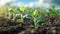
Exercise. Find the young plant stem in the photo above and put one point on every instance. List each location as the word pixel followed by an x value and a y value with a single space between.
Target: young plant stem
pixel 35 23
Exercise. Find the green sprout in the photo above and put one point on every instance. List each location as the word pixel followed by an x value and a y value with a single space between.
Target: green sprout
pixel 53 12
pixel 17 14
pixel 21 14
pixel 33 16
pixel 13 13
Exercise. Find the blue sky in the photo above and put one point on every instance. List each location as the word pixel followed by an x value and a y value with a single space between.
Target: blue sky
pixel 31 3
pixel 26 1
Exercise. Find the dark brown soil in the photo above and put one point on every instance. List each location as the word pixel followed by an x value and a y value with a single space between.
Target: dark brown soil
pixel 8 26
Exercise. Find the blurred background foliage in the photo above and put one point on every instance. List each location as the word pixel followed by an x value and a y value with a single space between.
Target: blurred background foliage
pixel 38 12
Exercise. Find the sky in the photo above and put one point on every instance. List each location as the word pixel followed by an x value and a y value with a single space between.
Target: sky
pixel 31 3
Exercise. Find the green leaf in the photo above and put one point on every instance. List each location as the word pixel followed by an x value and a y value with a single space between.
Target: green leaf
pixel 35 13
pixel 41 20
pixel 14 10
pixel 30 17
pixel 22 8
pixel 20 21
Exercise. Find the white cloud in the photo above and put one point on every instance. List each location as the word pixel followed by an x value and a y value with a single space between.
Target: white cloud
pixel 40 3
pixel 17 4
pixel 43 3
pixel 36 4
pixel 3 2
pixel 20 4
pixel 31 4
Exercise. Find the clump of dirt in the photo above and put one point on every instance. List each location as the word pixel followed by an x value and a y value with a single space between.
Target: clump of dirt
pixel 8 26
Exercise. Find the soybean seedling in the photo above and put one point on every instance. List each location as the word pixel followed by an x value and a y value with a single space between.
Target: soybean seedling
pixel 37 20
pixel 33 16
pixel 21 14
pixel 13 13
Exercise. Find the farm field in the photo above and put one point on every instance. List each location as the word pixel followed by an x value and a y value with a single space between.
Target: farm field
pixel 29 16
pixel 26 20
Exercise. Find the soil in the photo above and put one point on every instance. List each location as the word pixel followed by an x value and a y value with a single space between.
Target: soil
pixel 8 26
